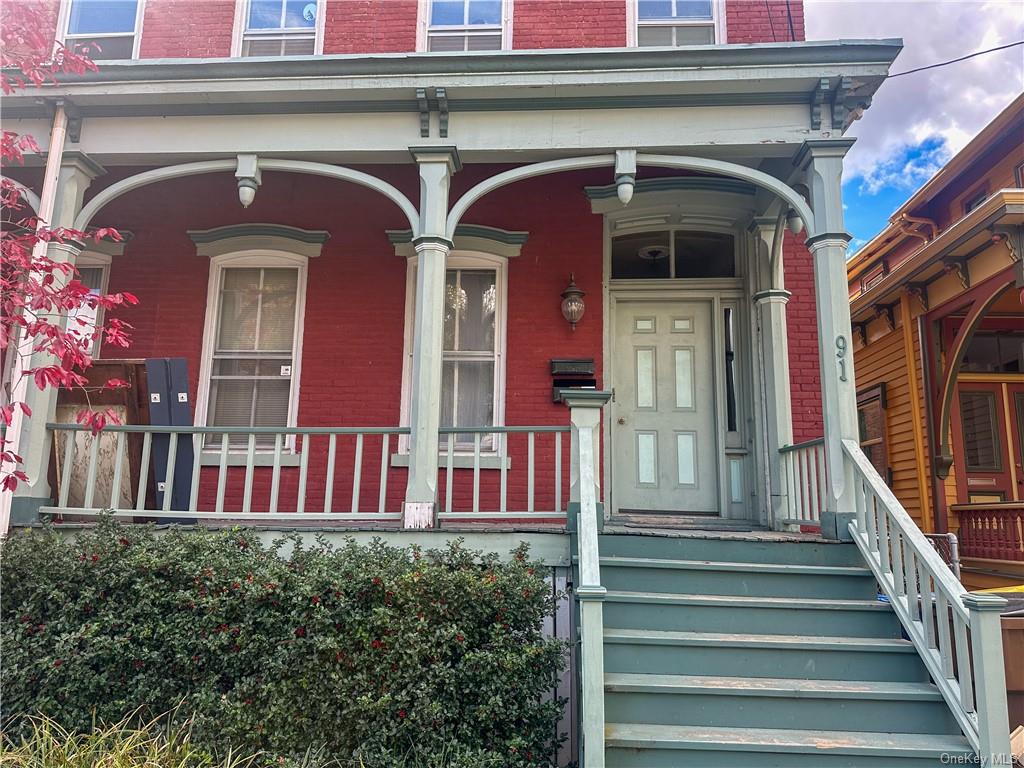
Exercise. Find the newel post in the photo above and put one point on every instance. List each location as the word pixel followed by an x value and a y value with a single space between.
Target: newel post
pixel 989 678
pixel 432 245
pixel 822 162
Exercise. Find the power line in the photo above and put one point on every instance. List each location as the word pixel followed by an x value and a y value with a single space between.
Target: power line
pixel 771 23
pixel 954 61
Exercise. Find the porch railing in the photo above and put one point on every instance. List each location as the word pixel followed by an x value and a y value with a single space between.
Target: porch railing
pixel 991 531
pixel 303 473
pixel 804 482
pixel 957 634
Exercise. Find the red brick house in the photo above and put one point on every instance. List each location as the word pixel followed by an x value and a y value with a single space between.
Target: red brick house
pixel 379 247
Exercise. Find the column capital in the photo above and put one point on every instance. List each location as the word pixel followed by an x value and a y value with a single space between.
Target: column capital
pixel 975 602
pixel 772 296
pixel 826 239
pixel 814 149
pixel 448 155
pixel 432 243
pixel 78 161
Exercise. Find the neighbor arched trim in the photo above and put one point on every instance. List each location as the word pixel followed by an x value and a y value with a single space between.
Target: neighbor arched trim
pixel 700 164
pixel 341 173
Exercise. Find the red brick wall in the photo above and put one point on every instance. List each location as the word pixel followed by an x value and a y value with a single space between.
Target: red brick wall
pixel 763 21
pixel 802 328
pixel 370 26
pixel 186 28
pixel 569 24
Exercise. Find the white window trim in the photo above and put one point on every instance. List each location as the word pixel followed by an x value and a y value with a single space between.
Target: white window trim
pixel 459 260
pixel 718 19
pixel 242 13
pixel 252 258
pixel 100 261
pixel 423 25
pixel 64 21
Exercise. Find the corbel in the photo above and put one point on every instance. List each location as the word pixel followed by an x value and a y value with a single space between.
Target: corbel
pixel 862 331
pixel 847 106
pixel 818 97
pixel 424 108
pixel 74 127
pixel 959 268
pixel 442 111
pixel 919 291
pixel 888 313
pixel 1013 236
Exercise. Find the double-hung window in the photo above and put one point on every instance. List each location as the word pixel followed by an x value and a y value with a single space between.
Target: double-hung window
pixel 253 330
pixel 675 22
pixel 280 27
pixel 465 25
pixel 107 28
pixel 93 274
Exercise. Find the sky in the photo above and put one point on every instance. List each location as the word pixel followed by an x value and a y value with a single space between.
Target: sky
pixel 917 122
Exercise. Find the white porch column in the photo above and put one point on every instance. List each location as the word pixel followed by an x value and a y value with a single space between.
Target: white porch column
pixel 822 162
pixel 33 441
pixel 432 245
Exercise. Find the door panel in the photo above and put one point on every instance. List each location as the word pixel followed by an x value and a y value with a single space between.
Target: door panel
pixel 664 436
pixel 981 443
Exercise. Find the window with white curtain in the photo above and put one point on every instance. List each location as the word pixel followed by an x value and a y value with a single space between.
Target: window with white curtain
pixel 472 373
pixel 251 353
pixel 280 28
pixel 464 25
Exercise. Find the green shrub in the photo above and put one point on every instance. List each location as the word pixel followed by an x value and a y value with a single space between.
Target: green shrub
pixel 368 651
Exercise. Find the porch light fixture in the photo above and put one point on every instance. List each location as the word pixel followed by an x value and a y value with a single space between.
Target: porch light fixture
pixel 249 179
pixel 573 305
pixel 794 222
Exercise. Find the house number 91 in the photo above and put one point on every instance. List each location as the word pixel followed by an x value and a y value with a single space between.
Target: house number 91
pixel 841 356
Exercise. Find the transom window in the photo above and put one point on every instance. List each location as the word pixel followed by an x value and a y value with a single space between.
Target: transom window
pixel 675 22
pixel 280 28
pixel 106 27
pixel 252 354
pixel 465 25
pixel 673 254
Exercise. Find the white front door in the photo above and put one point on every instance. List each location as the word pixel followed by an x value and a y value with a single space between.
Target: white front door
pixel 663 433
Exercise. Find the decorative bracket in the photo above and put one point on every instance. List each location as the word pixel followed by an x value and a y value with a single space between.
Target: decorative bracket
pixel 424 108
pixel 1013 236
pixel 862 331
pixel 818 98
pixel 847 106
pixel 888 312
pixel 919 291
pixel 959 268
pixel 442 111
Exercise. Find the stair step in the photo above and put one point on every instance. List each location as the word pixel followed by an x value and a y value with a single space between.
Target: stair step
pixel 732 702
pixel 653 746
pixel 762 615
pixel 772 686
pixel 708 546
pixel 814 657
pixel 737 578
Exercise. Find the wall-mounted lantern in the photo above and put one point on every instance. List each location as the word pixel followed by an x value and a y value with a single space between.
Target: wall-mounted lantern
pixel 573 306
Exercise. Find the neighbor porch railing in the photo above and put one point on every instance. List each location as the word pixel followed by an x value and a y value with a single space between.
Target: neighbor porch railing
pixel 957 634
pixel 991 531
pixel 302 473
pixel 803 481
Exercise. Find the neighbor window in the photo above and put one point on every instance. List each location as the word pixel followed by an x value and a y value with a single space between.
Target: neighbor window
pixel 982 449
pixel 675 22
pixel 106 27
pixel 464 25
pixel 871 405
pixel 84 319
pixel 974 200
pixel 254 327
pixel 280 28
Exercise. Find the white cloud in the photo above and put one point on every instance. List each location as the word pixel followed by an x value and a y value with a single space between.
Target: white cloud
pixel 948 105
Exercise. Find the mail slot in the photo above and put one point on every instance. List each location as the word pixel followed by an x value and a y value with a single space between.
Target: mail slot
pixel 571 373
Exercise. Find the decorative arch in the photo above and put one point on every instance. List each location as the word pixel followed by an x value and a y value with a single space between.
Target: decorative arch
pixel 341 173
pixel 700 164
pixel 30 198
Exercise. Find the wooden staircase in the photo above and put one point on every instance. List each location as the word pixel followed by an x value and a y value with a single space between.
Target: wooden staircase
pixel 731 650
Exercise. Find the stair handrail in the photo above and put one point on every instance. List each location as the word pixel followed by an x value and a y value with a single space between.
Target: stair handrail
pixel 585 416
pixel 960 640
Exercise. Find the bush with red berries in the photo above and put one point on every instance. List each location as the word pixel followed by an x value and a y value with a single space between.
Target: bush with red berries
pixel 365 652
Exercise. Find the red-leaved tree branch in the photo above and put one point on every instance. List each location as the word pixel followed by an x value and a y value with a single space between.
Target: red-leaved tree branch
pixel 39 346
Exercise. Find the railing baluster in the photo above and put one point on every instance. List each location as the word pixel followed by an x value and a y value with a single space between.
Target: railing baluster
pixel 530 471
pixel 506 457
pixel 812 458
pixel 476 472
pixel 250 471
pixel 300 501
pixel 275 475
pixel 115 483
pixel 883 535
pixel 147 448
pixel 449 472
pixel 385 458
pixel 927 606
pixel 860 502
pixel 897 562
pixel 197 465
pixel 65 475
pixel 357 473
pixel 945 642
pixel 913 589
pixel 805 485
pixel 872 520
pixel 222 471
pixel 963 665
pixel 558 471
pixel 332 447
pixel 90 482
